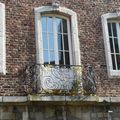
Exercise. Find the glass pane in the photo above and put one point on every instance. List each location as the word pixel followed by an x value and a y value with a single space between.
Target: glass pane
pixel 114 29
pixel 60 45
pixel 51 41
pixel 61 59
pixel 44 25
pixel 50 24
pixel 113 62
pixel 111 45
pixel 46 57
pixel 58 25
pixel 118 61
pixel 45 41
pixel 66 42
pixel 116 45
pixel 64 22
pixel 67 59
pixel 52 57
pixel 109 29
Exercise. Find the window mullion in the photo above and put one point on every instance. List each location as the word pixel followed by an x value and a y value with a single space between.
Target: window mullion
pixel 114 47
pixel 55 41
pixel 69 42
pixel 40 41
pixel 117 29
pixel 118 34
pixel 63 51
pixel 48 43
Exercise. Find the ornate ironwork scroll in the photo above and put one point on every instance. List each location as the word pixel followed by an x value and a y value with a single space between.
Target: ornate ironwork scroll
pixel 59 79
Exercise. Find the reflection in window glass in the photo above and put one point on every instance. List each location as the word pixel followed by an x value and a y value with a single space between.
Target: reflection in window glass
pixel 109 29
pixel 46 57
pixel 67 61
pixel 61 60
pixel 44 25
pixel 64 22
pixel 58 25
pixel 60 44
pixel 49 24
pixel 51 42
pixel 66 42
pixel 113 62
pixel 45 41
pixel 116 45
pixel 118 61
pixel 114 30
pixel 111 45
pixel 52 58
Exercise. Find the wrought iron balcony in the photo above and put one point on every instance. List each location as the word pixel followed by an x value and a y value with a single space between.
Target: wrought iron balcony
pixel 59 79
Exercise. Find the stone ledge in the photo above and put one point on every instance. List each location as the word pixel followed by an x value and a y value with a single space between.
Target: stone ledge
pixel 74 98
pixel 13 99
pixel 62 98
pixel 39 98
pixel 109 99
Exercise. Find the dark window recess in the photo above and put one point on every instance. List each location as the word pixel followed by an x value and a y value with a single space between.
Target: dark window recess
pixel 113 62
pixel 118 61
pixel 114 29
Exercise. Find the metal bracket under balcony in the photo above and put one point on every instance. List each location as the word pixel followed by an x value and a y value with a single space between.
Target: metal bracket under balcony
pixel 59 79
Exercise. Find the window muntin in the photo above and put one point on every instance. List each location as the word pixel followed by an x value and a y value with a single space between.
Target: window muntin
pixel 56 39
pixel 114 40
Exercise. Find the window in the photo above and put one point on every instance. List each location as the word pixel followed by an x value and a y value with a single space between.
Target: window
pixel 56 43
pixel 2 38
pixel 57 36
pixel 111 29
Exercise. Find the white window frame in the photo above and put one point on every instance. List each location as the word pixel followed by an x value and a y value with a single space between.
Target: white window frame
pixel 74 31
pixel 2 40
pixel 105 20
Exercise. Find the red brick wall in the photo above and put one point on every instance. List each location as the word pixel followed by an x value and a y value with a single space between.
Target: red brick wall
pixel 20 41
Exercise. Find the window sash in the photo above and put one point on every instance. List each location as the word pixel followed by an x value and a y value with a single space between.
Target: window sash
pixel 55 33
pixel 114 40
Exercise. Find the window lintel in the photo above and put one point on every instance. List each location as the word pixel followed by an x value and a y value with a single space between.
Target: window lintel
pixel 62 10
pixel 108 16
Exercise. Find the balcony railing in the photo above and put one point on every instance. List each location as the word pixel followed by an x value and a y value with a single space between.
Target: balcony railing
pixel 59 79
